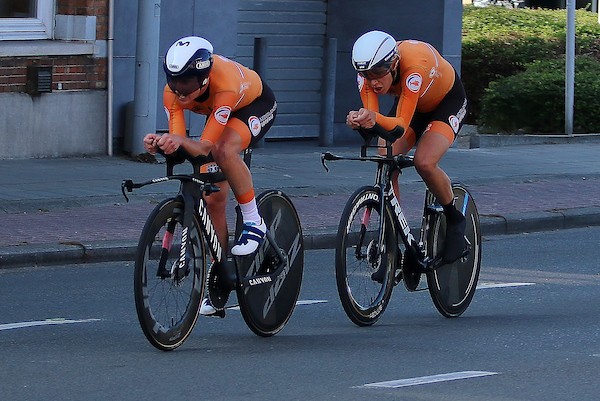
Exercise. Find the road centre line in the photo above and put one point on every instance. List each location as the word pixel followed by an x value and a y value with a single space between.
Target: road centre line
pixel 47 322
pixel 484 284
pixel 416 381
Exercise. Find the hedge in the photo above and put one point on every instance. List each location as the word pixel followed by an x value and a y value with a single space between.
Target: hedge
pixel 533 101
pixel 499 42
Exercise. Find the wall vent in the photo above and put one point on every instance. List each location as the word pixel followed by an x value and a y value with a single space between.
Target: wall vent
pixel 39 79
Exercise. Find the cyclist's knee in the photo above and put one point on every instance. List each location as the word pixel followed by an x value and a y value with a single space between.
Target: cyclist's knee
pixel 225 150
pixel 425 165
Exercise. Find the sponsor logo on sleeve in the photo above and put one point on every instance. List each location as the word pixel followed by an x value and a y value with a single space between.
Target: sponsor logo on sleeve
pixel 254 124
pixel 222 114
pixel 414 82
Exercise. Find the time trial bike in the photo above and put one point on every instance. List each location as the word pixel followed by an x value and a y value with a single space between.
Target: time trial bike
pixel 179 257
pixel 370 227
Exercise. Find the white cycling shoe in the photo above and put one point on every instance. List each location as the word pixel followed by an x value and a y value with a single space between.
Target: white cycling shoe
pixel 206 309
pixel 252 236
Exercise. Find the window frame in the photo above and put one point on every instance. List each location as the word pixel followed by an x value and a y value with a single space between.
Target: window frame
pixel 38 28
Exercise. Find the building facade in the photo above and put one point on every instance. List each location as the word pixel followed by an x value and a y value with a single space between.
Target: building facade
pixel 53 77
pixel 67 88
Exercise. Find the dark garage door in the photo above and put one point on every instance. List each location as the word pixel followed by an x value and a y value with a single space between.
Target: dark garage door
pixel 295 34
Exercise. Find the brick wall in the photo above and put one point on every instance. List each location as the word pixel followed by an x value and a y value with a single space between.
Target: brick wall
pixel 68 72
pixel 99 8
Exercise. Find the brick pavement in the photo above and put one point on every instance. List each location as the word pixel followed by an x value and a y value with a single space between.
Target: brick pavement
pixel 71 210
pixel 124 221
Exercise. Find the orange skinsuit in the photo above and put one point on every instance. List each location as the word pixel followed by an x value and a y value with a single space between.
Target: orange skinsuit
pixel 231 87
pixel 424 78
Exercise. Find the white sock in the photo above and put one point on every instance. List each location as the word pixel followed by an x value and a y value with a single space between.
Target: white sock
pixel 250 212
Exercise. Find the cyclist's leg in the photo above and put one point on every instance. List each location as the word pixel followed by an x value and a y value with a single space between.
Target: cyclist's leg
pixel 246 126
pixel 235 138
pixel 226 153
pixel 401 146
pixel 444 123
pixel 432 146
pixel 216 203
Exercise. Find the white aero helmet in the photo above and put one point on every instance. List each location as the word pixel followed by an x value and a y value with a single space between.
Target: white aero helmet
pixel 373 54
pixel 189 56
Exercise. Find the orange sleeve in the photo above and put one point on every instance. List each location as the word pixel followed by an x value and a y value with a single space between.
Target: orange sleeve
pixel 369 99
pixel 174 112
pixel 223 106
pixel 407 104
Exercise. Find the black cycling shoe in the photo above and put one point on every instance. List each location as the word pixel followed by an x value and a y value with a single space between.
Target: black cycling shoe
pixel 379 274
pixel 455 245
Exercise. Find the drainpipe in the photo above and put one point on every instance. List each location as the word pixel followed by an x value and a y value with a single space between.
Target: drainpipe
pixel 146 72
pixel 110 40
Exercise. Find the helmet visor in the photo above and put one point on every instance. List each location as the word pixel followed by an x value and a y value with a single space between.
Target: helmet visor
pixel 186 85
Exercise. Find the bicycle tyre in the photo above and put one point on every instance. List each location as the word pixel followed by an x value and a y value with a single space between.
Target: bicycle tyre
pixel 363 299
pixel 453 286
pixel 266 296
pixel 167 308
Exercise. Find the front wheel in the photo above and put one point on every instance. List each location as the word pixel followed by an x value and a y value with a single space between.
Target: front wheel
pixel 362 252
pixel 168 276
pixel 452 286
pixel 270 284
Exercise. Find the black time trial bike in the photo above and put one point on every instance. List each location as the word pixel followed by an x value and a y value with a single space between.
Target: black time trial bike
pixel 374 234
pixel 179 258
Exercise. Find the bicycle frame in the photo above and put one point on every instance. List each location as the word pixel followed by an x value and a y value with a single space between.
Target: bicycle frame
pixel 386 166
pixel 370 259
pixel 191 191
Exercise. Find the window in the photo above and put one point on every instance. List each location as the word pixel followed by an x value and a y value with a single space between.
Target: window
pixel 26 19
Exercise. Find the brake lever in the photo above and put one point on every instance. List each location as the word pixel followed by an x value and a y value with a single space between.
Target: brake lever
pixel 328 156
pixel 126 184
pixel 323 162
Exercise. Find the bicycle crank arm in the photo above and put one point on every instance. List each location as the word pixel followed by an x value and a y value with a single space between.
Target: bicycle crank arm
pixel 431 264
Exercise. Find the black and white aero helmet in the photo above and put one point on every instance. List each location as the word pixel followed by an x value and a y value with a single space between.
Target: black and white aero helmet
pixel 374 49
pixel 189 56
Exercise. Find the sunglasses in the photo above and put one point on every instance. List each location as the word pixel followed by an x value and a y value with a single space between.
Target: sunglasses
pixel 185 86
pixel 375 73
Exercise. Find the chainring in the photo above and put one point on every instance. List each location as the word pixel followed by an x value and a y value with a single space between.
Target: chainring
pixel 217 295
pixel 411 272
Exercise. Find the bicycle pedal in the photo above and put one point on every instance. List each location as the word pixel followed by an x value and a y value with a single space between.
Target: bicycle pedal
pixel 218 313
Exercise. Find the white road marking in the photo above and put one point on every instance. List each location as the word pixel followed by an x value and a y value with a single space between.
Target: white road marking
pixel 415 381
pixel 311 301
pixel 47 322
pixel 482 285
pixel 306 302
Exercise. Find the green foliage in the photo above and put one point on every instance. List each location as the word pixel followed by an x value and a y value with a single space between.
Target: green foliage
pixel 533 101
pixel 499 42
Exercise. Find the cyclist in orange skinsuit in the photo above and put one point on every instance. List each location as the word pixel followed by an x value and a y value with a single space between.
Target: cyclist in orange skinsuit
pixel 240 109
pixel 430 106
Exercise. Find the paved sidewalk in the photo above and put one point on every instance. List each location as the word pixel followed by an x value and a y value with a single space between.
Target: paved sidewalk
pixel 71 210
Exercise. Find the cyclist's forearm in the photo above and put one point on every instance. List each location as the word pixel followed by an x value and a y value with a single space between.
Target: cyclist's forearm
pixel 196 148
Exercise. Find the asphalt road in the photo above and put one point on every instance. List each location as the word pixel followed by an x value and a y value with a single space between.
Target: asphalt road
pixel 531 333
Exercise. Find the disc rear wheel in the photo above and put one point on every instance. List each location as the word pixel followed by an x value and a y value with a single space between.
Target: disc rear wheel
pixel 270 285
pixel 453 286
